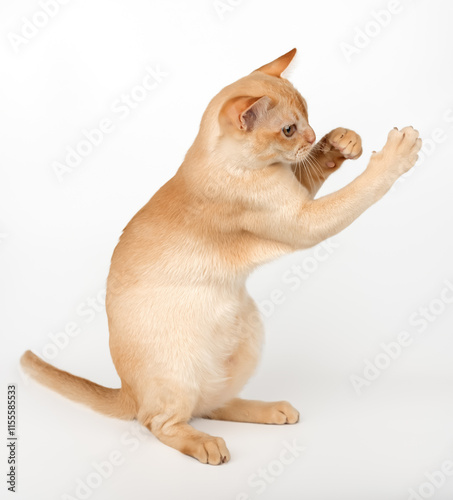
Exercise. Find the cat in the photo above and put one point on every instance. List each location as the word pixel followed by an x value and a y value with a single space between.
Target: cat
pixel 185 336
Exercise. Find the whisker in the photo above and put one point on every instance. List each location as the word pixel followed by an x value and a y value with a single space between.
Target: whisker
pixel 309 176
pixel 309 164
pixel 317 166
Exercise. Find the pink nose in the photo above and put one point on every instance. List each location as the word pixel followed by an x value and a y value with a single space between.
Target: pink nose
pixel 309 135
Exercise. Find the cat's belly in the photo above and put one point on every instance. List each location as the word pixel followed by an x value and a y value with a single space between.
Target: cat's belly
pixel 237 366
pixel 206 341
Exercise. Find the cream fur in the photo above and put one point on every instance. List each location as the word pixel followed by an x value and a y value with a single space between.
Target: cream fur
pixel 184 334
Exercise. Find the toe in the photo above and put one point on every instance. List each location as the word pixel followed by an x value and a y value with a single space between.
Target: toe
pixel 283 413
pixel 216 451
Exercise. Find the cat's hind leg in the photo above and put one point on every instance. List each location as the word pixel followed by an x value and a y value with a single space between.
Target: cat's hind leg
pixel 183 437
pixel 169 423
pixel 259 412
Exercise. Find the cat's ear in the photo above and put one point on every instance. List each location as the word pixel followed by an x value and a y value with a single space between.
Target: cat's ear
pixel 246 112
pixel 276 68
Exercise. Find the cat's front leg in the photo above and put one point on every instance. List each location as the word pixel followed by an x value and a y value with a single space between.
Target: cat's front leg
pixel 326 216
pixel 337 146
pixel 327 156
pixel 295 220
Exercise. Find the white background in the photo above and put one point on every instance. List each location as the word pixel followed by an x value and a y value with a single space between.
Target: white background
pixel 57 239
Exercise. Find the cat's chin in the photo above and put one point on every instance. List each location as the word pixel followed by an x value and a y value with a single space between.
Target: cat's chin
pixel 298 157
pixel 302 155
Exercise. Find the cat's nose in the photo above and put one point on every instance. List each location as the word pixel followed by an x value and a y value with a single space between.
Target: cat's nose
pixel 309 135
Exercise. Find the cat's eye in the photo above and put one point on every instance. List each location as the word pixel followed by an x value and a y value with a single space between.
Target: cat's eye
pixel 289 130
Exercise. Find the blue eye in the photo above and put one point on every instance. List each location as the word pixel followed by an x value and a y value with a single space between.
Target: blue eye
pixel 289 130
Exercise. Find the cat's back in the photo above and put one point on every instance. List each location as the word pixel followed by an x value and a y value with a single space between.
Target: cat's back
pixel 182 234
pixel 155 229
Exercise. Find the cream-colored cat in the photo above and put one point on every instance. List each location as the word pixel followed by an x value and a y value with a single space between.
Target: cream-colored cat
pixel 185 336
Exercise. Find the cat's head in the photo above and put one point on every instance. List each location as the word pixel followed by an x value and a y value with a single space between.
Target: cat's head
pixel 264 116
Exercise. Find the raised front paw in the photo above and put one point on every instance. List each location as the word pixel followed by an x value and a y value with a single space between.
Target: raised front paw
pixel 346 143
pixel 400 152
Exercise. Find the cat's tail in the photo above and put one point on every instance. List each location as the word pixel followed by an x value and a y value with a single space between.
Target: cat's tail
pixel 111 402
